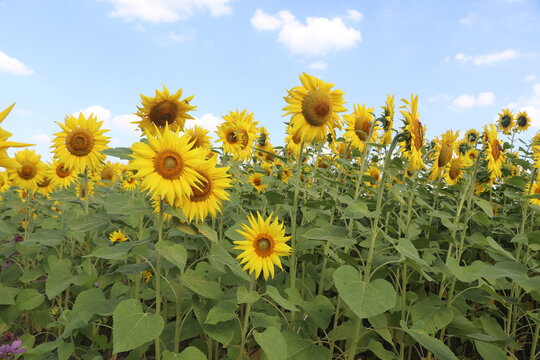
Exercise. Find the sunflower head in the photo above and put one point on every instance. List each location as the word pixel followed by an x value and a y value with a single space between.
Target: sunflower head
pixel 388 119
pixel 164 109
pixel 359 126
pixel 472 136
pixel 264 242
pixel 494 151
pixel 456 169
pixel 117 236
pixel 414 131
pixel 523 121
pixel 30 170
pixel 199 137
pixel 256 179
pixel 506 121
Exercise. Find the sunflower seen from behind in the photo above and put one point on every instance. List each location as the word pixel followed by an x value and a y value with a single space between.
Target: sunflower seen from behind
pixel 80 143
pixel 444 151
pixel 263 245
pixel 314 108
pixel 164 110
pixel 166 164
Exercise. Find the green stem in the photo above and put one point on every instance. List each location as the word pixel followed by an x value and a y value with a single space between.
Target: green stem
pixel 246 320
pixel 535 342
pixel 85 190
pixel 403 308
pixel 158 275
pixel 179 295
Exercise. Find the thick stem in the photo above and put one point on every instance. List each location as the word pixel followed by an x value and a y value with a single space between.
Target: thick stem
pixel 246 320
pixel 535 342
pixel 178 327
pixel 158 274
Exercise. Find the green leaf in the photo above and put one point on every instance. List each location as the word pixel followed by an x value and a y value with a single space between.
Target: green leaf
pixel 468 273
pixel 273 343
pixel 490 351
pixel 320 310
pixel 87 223
pixel 59 277
pixel 119 152
pixel 436 346
pixel 261 320
pixel 276 296
pixel 485 205
pixel 207 231
pixel 274 198
pixel 242 296
pixel 175 253
pixel 189 353
pixel 364 299
pixel 116 251
pixel 337 235
pixel 65 350
pixel 223 311
pixel 219 257
pixel 132 327
pixel 300 349
pixel 118 204
pixel 29 299
pixel 7 295
pixel 198 284
pixel 433 314
pixel 92 302
pixel 49 238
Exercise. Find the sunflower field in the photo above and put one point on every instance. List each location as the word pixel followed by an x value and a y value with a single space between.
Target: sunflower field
pixel 357 239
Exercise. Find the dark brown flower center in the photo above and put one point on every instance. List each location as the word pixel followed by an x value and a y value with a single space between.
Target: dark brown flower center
pixel 169 164
pixel 362 129
pixel 107 174
pixel 204 191
pixel 28 171
pixel 522 121
pixel 46 182
pixel 317 108
pixel 419 135
pixel 496 149
pixel 163 113
pixel 231 137
pixel 264 245
pixel 62 171
pixel 257 181
pixel 505 121
pixel 79 142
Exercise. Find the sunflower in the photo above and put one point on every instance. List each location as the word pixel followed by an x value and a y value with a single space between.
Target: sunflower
pixel 472 136
pixel 147 275
pixel 314 108
pixel 284 174
pixel 263 137
pixel 264 242
pixel 107 174
pixel 230 137
pixel 506 121
pixel 375 173
pixel 523 121
pixel 117 236
pixel 444 150
pixel 23 194
pixel 494 152
pixel 267 167
pixel 5 182
pixel 166 164
pixel 388 120
pixel 46 186
pixel 534 190
pixel 130 182
pixel 412 145
pixel 245 126
pixel 80 189
pixel 255 179
pixel 5 160
pixel 30 170
pixel 472 154
pixel 56 207
pixel 80 143
pixel 294 141
pixel 61 175
pixel 456 169
pixel 162 110
pixel 199 136
pixel 207 197
pixel 359 125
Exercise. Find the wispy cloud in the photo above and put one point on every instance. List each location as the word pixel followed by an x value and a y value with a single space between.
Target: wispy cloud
pixel 317 36
pixel 488 59
pixel 354 15
pixel 467 101
pixel 208 121
pixel 318 65
pixel 13 66
pixel 529 78
pixel 468 20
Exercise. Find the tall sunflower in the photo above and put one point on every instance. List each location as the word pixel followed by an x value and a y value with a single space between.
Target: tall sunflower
pixel 414 141
pixel 494 151
pixel 166 164
pixel 456 169
pixel 61 175
pixel 359 125
pixel 164 109
pixel 264 242
pixel 444 150
pixel 506 121
pixel 230 137
pixel 206 198
pixel 5 160
pixel 388 122
pixel 523 121
pixel 80 143
pixel 256 179
pixel 30 170
pixel 199 136
pixel 314 108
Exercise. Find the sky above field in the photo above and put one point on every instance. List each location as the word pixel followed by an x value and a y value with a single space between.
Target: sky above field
pixel 467 60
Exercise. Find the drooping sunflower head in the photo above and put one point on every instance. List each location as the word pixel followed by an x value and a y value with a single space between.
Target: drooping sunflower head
pixel 264 242
pixel 359 126
pixel 523 121
pixel 117 236
pixel 80 143
pixel 388 120
pixel 30 170
pixel 314 108
pixel 472 136
pixel 494 151
pixel 164 109
pixel 444 150
pixel 256 179
pixel 414 134
pixel 506 121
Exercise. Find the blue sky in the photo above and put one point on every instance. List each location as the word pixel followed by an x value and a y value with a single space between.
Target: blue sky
pixel 467 60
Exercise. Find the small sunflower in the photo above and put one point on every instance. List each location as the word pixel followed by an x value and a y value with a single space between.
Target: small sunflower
pixel 263 137
pixel 46 186
pixel 375 173
pixel 230 137
pixel 31 170
pixel 534 190
pixel 456 169
pixel 472 136
pixel 314 108
pixel 199 136
pixel 107 174
pixel 506 121
pixel 247 128
pixel 80 189
pixel 388 122
pixel 80 143
pixel 284 174
pixel 264 242
pixel 472 154
pixel 5 160
pixel 494 152
pixel 255 179
pixel 164 110
pixel 412 145
pixel 61 175
pixel 523 121
pixel 130 182
pixel 294 141
pixel 463 147
pixel 444 152
pixel 210 191
pixel 117 236
pixel 166 164
pixel 5 182
pixel 147 275
pixel 359 125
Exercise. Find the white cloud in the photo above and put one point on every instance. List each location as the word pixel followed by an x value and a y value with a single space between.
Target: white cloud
pixel 529 104
pixel 440 98
pixel 318 65
pixel 157 11
pixel 178 37
pixel 468 20
pixel 100 112
pixel 488 59
pixel 13 66
pixel 41 139
pixel 354 15
pixel 124 123
pixel 530 78
pixel 467 101
pixel 207 121
pixel 317 37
